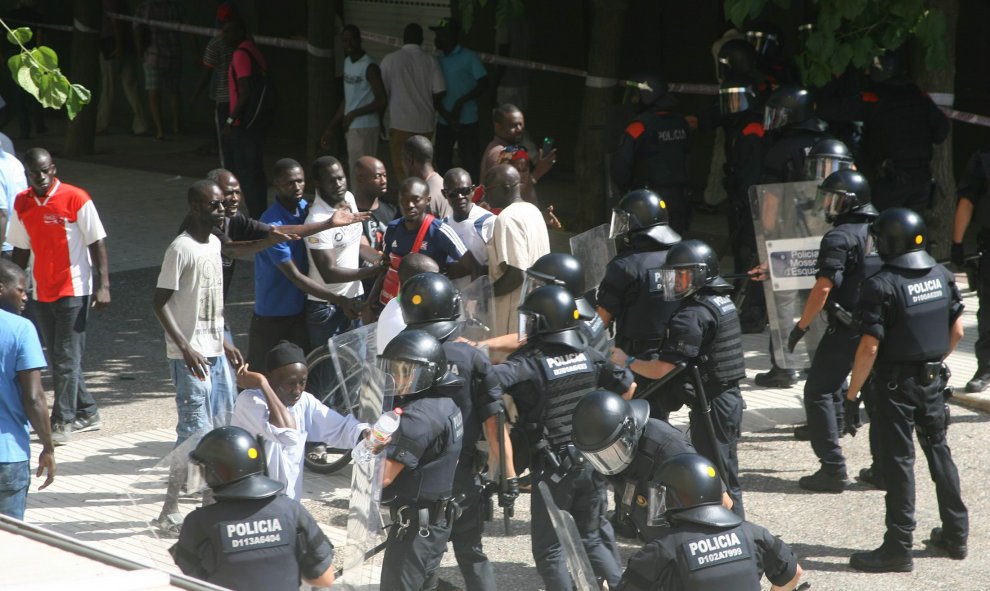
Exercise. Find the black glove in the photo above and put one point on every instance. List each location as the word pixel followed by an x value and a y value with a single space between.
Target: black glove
pixel 850 417
pixel 797 333
pixel 957 255
pixel 507 498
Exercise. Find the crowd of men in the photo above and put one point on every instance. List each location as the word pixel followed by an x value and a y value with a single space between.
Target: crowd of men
pixel 573 388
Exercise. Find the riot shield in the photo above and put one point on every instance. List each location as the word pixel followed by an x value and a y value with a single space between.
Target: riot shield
pixel 570 542
pixel 477 310
pixel 594 249
pixel 789 229
pixel 361 556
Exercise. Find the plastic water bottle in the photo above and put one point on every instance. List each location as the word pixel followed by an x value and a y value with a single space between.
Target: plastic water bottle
pixel 384 427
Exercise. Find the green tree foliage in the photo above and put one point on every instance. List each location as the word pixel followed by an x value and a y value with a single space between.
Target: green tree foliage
pixel 504 10
pixel 36 71
pixel 852 32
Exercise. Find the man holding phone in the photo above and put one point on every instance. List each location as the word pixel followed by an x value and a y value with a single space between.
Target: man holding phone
pixel 510 130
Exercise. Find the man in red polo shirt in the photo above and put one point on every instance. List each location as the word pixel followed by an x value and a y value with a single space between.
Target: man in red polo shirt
pixel 59 224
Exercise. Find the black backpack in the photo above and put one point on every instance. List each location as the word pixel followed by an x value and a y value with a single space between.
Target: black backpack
pixel 261 103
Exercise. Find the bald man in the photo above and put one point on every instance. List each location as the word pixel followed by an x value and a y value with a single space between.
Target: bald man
pixel 417 159
pixel 391 322
pixel 370 182
pixel 70 275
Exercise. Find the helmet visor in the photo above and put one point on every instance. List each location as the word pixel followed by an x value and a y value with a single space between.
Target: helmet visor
pixel 195 477
pixel 533 281
pixel 527 326
pixel 818 168
pixel 834 203
pixel 734 100
pixel 764 43
pixel 680 282
pixel 405 377
pixel 776 117
pixel 617 456
pixel 656 507
pixel 620 224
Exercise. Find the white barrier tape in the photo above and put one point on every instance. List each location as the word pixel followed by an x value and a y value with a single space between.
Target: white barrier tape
pixel 972 118
pixel 79 26
pixel 942 99
pixel 32 24
pixel 207 31
pixel 600 82
pixel 325 53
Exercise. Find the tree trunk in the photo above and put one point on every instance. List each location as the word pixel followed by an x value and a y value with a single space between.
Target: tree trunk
pixel 603 61
pixel 321 98
pixel 940 219
pixel 80 136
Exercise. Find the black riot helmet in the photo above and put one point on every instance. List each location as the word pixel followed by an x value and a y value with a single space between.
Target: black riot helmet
pixel 845 191
pixel 888 67
pixel 900 237
pixel 690 265
pixel 550 315
pixel 826 157
pixel 607 429
pixel 430 302
pixel 766 38
pixel 233 465
pixel 643 212
pixel 736 95
pixel 739 57
pixel 415 361
pixel 653 91
pixel 788 105
pixel 558 268
pixel 693 491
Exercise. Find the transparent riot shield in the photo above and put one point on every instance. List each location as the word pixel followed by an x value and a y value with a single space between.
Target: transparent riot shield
pixel 361 556
pixel 477 310
pixel 570 542
pixel 789 229
pixel 335 374
pixel 594 249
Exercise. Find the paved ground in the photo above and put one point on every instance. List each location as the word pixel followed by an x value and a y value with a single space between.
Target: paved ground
pixel 108 487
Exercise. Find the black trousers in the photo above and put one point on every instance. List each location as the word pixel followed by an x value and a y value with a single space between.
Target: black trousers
pixel 727 410
pixel 411 560
pixel 267 331
pixel 823 393
pixel 982 346
pixel 581 494
pixel 466 534
pixel 468 148
pixel 903 406
pixel 912 191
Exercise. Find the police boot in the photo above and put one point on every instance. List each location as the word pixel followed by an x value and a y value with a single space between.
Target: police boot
pixel 979 382
pixel 955 551
pixel 825 481
pixel 777 378
pixel 873 477
pixel 802 433
pixel 882 560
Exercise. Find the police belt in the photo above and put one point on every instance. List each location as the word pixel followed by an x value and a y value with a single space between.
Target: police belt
pixel 924 372
pixel 562 459
pixel 637 346
pixel 423 515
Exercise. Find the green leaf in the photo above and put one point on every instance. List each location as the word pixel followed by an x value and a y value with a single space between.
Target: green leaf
pixel 467 14
pixel 53 91
pixel 45 56
pixel 849 9
pixel 81 92
pixel 14 64
pixel 24 78
pixel 20 35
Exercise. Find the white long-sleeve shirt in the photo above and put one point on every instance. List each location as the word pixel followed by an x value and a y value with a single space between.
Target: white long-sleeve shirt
pixel 285 448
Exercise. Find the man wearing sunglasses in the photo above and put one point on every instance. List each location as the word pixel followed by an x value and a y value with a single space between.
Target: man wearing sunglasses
pixel 188 303
pixel 474 225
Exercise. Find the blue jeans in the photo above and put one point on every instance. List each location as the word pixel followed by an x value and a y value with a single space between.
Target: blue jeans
pixel 63 330
pixel 14 480
pixel 202 404
pixel 324 321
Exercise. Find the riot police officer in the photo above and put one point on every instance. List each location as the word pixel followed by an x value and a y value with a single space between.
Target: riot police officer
pixel 631 293
pixel 844 261
pixel 703 332
pixel 253 537
pixel 706 546
pixel 900 125
pixel 420 460
pixel 910 313
pixel 652 152
pixel 621 442
pixel 431 303
pixel 973 190
pixel 790 118
pixel 546 378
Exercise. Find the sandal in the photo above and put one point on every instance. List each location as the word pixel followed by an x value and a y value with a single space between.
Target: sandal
pixel 317 456
pixel 169 525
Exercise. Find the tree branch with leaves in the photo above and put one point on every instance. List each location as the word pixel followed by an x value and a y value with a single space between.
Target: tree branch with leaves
pixel 36 71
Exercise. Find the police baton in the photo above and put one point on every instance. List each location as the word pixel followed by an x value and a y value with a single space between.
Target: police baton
pixel 503 482
pixel 706 415
pixel 658 384
pixel 340 571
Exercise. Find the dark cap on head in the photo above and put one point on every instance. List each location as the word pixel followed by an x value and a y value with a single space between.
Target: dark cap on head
pixel 449 24
pixel 284 353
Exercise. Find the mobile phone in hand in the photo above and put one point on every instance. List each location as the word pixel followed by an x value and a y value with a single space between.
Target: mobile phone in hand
pixel 548 144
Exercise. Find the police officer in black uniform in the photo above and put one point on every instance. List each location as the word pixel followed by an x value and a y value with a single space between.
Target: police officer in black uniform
pixel 790 118
pixel 973 191
pixel 703 332
pixel 547 377
pixel 706 546
pixel 253 537
pixel 843 263
pixel 430 303
pixel 653 151
pixel 631 293
pixel 420 460
pixel 910 313
pixel 900 125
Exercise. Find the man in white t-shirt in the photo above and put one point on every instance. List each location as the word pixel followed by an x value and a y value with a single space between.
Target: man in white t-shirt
pixel 12 181
pixel 390 321
pixel 417 158
pixel 188 303
pixel 334 254
pixel 518 239
pixel 475 225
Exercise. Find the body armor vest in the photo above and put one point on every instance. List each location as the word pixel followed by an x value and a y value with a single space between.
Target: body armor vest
pixel 718 559
pixel 569 377
pixel 439 442
pixel 661 160
pixel 597 336
pixel 917 324
pixel 724 360
pixel 859 264
pixel 900 128
pixel 645 312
